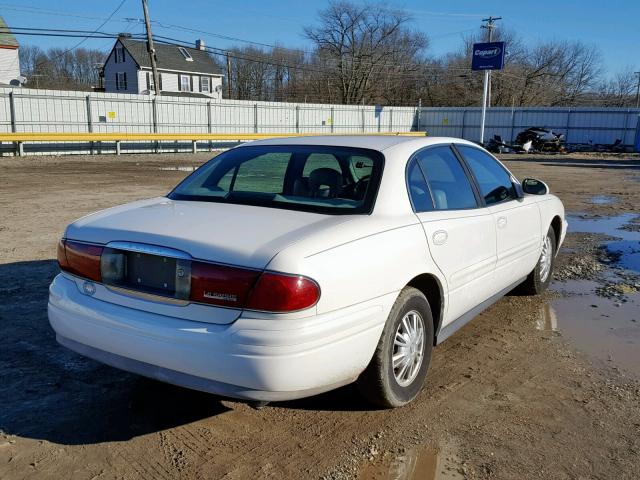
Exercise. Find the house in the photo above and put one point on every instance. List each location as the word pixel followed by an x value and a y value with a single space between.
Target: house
pixel 9 59
pixel 181 70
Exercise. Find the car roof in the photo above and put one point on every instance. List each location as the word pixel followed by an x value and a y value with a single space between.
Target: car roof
pixel 373 142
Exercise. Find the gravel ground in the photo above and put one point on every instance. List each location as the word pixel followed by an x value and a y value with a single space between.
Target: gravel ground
pixel 504 399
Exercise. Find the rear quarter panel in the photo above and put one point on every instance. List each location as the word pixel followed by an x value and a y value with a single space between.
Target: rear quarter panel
pixel 381 260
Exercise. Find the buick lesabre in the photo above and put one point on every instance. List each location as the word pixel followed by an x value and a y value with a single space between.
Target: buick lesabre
pixel 287 267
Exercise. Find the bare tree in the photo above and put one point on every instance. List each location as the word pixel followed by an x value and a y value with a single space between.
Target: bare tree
pixel 61 69
pixel 368 53
pixel 358 44
pixel 620 90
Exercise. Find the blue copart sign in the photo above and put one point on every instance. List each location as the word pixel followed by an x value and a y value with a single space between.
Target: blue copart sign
pixel 488 56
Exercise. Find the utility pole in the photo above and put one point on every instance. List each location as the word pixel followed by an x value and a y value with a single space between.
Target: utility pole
pixel 150 48
pixel 638 91
pixel 489 27
pixel 228 76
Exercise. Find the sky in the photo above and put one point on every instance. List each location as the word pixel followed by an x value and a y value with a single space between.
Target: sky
pixel 613 26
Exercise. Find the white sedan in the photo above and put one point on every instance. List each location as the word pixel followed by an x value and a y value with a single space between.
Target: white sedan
pixel 287 267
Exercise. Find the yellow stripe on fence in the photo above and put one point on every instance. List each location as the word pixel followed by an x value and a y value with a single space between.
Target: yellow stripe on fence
pixel 119 137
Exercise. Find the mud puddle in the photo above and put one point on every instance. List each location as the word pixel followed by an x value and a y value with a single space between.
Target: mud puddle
pixel 602 200
pixel 601 317
pixel 624 228
pixel 605 329
pixel 416 463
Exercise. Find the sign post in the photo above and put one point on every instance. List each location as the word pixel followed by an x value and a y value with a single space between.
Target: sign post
pixel 487 56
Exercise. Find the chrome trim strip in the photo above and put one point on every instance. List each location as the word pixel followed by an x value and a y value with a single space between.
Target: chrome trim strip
pixel 147 296
pixel 149 249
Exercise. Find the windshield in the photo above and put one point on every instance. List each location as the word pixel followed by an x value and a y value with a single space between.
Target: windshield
pixel 322 179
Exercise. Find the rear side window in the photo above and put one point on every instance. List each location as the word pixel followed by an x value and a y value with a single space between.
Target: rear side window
pixel 449 184
pixel 494 181
pixel 418 189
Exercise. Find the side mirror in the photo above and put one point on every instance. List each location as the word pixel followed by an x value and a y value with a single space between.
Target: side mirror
pixel 534 187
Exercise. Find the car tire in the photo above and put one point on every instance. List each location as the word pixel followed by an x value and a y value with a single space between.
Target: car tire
pixel 382 383
pixel 540 278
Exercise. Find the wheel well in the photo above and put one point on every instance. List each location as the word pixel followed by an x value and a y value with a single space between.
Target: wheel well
pixel 556 224
pixel 431 288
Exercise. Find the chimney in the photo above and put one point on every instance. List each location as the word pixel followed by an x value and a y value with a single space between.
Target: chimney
pixel 200 44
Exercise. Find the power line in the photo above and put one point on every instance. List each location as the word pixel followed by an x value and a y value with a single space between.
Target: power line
pixel 419 69
pixel 266 61
pixel 87 37
pixel 43 11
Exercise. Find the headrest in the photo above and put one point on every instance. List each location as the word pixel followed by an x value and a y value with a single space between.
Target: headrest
pixel 325 177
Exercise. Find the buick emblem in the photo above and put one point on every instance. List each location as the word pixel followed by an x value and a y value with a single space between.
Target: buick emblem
pixel 89 288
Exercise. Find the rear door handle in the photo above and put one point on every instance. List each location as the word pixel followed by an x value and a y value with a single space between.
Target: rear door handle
pixel 502 222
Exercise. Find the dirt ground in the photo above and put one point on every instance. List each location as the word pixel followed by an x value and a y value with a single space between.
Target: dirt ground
pixel 523 391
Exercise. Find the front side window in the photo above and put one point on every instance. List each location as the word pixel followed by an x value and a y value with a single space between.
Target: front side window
pixel 450 187
pixel 494 181
pixel 302 177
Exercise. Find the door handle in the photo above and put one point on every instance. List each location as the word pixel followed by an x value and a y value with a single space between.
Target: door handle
pixel 440 237
pixel 502 222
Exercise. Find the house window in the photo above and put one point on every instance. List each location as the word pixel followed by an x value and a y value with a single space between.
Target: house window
pixel 185 83
pixel 205 84
pixel 119 55
pixel 121 81
pixel 185 54
pixel 150 84
pixel 160 81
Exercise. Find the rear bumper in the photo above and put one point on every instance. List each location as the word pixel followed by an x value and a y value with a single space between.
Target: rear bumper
pixel 265 359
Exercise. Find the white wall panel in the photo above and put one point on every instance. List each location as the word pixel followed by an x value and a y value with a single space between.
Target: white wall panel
pixel 64 111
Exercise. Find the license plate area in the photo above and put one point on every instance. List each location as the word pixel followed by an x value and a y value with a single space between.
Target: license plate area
pixel 147 273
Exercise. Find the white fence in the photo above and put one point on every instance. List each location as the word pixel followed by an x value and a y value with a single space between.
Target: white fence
pixel 31 110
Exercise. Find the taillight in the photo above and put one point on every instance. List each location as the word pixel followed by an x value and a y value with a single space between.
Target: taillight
pixel 276 292
pixel 242 288
pixel 221 285
pixel 62 256
pixel 80 259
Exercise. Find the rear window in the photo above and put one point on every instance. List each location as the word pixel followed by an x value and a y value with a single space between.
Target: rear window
pixel 321 179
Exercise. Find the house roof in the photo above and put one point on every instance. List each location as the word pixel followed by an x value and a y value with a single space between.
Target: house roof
pixel 170 58
pixel 7 39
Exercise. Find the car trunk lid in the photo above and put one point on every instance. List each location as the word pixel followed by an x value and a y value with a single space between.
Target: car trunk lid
pixel 156 240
